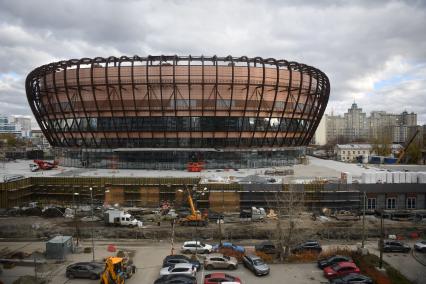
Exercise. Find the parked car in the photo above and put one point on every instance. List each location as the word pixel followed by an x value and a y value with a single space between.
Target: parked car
pixel 307 246
pixel 236 248
pixel 90 270
pixel 420 246
pixel 352 279
pixel 340 269
pixel 179 268
pixel 219 277
pixel 255 264
pixel 196 246
pixel 176 279
pixel 323 263
pixel 218 261
pixel 395 246
pixel 179 258
pixel 214 216
pixel 266 247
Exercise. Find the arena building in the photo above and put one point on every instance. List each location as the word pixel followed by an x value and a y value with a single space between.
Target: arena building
pixel 166 111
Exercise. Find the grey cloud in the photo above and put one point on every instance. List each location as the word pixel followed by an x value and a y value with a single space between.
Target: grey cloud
pixel 351 41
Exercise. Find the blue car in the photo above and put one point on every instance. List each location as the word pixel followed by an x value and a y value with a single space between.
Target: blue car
pixel 229 245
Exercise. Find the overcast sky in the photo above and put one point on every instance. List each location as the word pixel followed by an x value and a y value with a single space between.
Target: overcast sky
pixel 374 52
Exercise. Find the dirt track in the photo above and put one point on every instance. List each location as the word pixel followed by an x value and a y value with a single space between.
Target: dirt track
pixel 43 228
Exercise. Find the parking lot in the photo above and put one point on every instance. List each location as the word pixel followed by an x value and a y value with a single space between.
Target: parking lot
pixel 149 256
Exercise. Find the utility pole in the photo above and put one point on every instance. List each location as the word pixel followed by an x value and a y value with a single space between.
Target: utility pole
pixel 91 209
pixel 364 196
pixel 381 240
pixel 173 237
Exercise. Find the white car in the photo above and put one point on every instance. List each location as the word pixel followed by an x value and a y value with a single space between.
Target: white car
pixel 179 268
pixel 420 246
pixel 196 246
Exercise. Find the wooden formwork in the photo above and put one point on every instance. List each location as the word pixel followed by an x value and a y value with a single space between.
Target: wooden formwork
pixel 114 195
pixel 149 196
pixel 224 201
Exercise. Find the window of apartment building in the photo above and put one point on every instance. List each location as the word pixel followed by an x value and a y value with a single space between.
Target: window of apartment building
pixel 343 152
pixel 411 203
pixel 359 152
pixel 391 203
pixel 371 203
pixel 353 152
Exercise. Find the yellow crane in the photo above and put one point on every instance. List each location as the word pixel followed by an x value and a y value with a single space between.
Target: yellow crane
pixel 195 218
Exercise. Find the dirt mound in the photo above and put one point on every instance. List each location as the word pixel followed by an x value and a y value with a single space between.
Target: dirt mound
pixel 29 280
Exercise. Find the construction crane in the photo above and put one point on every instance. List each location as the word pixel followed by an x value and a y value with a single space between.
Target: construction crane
pixel 404 150
pixel 195 218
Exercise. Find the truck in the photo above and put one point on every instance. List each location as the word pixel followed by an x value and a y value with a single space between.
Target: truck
pixel 118 217
pixel 253 214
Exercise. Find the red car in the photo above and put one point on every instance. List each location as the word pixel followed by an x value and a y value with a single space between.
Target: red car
pixel 215 278
pixel 340 269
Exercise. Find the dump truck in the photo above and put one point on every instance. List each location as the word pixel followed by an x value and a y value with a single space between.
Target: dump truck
pixel 118 217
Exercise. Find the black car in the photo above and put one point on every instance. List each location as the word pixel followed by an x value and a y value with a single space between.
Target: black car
pixel 176 279
pixel 395 246
pixel 323 263
pixel 266 247
pixel 352 278
pixel 307 246
pixel 91 270
pixel 255 264
pixel 179 258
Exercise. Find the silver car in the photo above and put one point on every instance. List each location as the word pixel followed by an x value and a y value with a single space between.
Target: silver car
pixel 255 264
pixel 218 261
pixel 179 268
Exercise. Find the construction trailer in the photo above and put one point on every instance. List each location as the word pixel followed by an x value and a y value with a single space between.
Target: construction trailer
pixel 59 247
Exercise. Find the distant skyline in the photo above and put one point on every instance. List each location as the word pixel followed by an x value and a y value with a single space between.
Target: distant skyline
pixel 374 52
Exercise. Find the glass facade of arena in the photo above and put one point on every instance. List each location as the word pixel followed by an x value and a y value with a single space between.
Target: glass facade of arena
pixel 171 159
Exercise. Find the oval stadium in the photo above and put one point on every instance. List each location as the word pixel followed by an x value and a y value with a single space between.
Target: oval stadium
pixel 163 112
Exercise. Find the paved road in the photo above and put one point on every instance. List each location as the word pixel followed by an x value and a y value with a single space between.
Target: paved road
pixel 149 255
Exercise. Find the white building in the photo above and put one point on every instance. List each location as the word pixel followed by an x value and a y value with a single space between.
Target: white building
pixel 350 152
pixel 23 124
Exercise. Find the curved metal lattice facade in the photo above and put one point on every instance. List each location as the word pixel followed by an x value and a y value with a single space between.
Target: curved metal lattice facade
pixel 177 102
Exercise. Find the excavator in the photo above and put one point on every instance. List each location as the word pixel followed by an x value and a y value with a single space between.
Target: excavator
pixel 404 150
pixel 195 218
pixel 115 271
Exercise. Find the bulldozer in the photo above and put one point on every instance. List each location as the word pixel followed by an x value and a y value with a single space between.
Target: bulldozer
pixel 195 218
pixel 115 271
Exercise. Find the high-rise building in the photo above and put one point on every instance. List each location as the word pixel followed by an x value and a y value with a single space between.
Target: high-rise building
pixel 355 126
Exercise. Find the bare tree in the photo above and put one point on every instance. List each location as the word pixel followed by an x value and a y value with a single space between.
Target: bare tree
pixel 288 203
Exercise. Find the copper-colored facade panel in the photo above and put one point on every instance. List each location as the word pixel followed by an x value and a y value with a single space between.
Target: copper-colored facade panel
pixel 136 102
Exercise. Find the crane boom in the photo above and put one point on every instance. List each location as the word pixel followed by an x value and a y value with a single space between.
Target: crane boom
pixel 402 153
pixel 191 202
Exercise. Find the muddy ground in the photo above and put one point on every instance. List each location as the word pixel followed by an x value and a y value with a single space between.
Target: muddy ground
pixel 305 228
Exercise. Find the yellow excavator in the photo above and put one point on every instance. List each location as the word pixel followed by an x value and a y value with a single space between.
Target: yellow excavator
pixel 195 218
pixel 114 272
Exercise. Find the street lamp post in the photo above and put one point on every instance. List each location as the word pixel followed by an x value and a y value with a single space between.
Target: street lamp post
pixel 74 217
pixel 91 209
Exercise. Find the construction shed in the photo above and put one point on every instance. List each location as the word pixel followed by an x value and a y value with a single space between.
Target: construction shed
pixel 59 247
